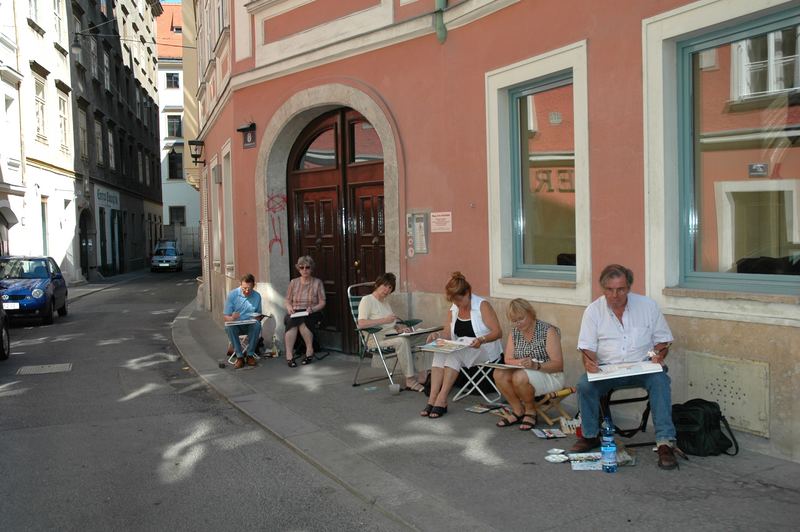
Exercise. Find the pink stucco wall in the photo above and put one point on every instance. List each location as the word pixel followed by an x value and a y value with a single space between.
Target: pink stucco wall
pixel 435 93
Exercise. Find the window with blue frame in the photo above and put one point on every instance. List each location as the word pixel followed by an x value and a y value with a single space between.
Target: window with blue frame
pixel 739 94
pixel 543 173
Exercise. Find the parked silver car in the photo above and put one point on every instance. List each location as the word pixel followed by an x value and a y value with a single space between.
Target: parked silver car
pixel 166 257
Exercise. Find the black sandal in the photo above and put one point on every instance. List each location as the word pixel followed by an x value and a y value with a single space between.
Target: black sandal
pixel 528 426
pixel 427 410
pixel 292 363
pixel 437 412
pixel 504 422
pixel 307 360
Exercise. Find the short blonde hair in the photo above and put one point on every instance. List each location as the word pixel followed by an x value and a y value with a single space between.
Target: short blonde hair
pixel 519 307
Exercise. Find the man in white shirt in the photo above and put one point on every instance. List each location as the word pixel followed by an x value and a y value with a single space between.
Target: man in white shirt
pixel 620 327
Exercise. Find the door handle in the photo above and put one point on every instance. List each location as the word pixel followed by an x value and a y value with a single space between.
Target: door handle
pixel 356 263
pixel 318 241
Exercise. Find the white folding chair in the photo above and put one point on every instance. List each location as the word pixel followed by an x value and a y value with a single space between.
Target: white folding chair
pixel 243 341
pixel 481 373
pixel 355 293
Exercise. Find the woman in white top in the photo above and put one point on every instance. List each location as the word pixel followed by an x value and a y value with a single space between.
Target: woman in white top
pixel 374 311
pixel 469 316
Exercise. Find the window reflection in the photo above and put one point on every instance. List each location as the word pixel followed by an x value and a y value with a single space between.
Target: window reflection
pixel 547 189
pixel 321 153
pixel 365 144
pixel 746 180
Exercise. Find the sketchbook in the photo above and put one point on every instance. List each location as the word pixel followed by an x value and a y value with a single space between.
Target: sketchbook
pixel 415 333
pixel 240 322
pixel 614 371
pixel 448 346
pixel 299 314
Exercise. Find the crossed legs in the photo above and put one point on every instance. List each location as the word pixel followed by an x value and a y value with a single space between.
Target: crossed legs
pixel 518 391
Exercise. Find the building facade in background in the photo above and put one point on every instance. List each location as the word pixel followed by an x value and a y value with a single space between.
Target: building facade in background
pixel 38 181
pixel 526 146
pixel 117 154
pixel 181 214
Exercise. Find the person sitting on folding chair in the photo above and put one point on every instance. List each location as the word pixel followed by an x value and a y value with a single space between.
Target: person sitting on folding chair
pixel 374 311
pixel 535 346
pixel 243 304
pixel 620 327
pixel 306 297
pixel 469 316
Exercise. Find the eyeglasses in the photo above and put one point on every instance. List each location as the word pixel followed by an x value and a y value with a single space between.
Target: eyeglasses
pixel 303 267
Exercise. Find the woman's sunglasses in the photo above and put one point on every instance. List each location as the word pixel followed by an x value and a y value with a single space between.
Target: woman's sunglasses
pixel 304 267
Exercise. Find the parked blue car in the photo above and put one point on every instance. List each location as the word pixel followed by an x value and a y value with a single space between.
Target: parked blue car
pixel 32 287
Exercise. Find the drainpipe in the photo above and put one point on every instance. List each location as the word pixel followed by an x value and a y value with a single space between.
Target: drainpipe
pixel 438 20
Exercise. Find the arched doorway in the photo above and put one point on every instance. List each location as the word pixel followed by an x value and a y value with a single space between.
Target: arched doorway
pixel 335 204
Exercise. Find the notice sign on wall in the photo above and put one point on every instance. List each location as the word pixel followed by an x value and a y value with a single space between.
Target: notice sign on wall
pixel 441 222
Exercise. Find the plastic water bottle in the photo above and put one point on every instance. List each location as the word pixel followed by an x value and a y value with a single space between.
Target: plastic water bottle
pixel 274 353
pixel 608 447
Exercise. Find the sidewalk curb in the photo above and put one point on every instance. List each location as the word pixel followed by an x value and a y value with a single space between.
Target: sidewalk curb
pixel 358 474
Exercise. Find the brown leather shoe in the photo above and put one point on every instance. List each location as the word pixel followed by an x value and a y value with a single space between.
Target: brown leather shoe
pixel 239 364
pixel 666 457
pixel 251 361
pixel 584 445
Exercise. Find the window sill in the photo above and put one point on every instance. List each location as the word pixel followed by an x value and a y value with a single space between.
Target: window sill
pixel 60 49
pixel 549 283
pixel 724 295
pixel 36 27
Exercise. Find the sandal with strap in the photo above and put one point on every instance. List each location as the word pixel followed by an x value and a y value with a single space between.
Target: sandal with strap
pixel 505 422
pixel 437 412
pixel 416 387
pixel 307 360
pixel 524 425
pixel 427 410
pixel 292 363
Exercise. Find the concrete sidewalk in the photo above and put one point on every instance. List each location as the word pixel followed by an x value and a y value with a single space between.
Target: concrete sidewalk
pixel 460 472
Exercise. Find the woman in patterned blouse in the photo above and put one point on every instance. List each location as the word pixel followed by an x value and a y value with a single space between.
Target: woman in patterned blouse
pixel 306 295
pixel 534 346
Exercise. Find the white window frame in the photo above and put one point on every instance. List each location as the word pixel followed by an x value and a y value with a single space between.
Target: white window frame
pixel 110 138
pixel 63 121
pixel 180 123
pixel 227 194
pixel 58 21
pixel 740 80
pixel 140 169
pixel 660 35
pixel 33 9
pixel 107 70
pixel 95 61
pixel 166 81
pixel 83 134
pixel 40 103
pixel 499 148
pixel 98 142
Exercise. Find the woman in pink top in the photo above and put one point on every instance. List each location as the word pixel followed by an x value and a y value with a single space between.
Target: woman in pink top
pixel 305 294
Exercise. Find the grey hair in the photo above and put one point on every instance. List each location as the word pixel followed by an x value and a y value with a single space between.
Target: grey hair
pixel 615 270
pixel 306 260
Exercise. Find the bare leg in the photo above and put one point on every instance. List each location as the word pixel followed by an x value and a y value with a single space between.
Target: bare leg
pixel 504 380
pixel 448 379
pixel 289 339
pixel 308 338
pixel 524 390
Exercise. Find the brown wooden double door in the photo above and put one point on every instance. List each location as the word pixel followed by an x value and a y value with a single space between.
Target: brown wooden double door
pixel 336 213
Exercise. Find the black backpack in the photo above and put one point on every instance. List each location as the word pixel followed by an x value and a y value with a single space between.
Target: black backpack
pixel 697 423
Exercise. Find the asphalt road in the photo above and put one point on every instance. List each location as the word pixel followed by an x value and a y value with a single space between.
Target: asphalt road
pixel 129 438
